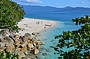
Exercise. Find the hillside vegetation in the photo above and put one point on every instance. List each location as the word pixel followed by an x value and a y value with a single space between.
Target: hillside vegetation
pixel 10 14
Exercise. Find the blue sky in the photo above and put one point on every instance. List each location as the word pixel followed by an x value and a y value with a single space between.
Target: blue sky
pixel 56 3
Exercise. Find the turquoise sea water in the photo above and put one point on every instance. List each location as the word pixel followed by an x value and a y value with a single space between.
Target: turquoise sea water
pixel 64 17
pixel 48 38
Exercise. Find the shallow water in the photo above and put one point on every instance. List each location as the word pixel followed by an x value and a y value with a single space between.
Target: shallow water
pixel 64 16
pixel 48 38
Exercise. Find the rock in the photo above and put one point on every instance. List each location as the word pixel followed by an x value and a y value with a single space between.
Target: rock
pixel 36 51
pixel 2 44
pixel 23 45
pixel 32 56
pixel 17 50
pixel 4 54
pixel 1 48
pixel 17 44
pixel 1 40
pixel 5 32
pixel 40 43
pixel 11 36
pixel 33 34
pixel 8 40
pixel 44 54
pixel 28 58
pixel 30 45
pixel 10 48
pixel 16 36
pixel 38 47
pixel 24 49
pixel 28 41
pixel 34 44
pixel 21 54
pixel 27 36
pixel 14 44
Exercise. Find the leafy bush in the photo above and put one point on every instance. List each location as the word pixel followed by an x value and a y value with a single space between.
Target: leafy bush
pixel 79 39
pixel 10 14
pixel 8 56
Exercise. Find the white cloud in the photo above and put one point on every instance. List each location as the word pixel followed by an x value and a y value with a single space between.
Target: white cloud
pixel 34 1
pixel 28 2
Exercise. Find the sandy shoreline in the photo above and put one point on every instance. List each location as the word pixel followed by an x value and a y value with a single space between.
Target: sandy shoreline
pixel 29 25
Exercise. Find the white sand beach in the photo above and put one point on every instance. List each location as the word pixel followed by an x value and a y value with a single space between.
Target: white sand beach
pixel 29 25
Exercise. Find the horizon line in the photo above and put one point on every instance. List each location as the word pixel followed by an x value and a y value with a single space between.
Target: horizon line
pixel 55 7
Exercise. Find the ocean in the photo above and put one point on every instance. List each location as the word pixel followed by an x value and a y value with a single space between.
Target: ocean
pixel 62 15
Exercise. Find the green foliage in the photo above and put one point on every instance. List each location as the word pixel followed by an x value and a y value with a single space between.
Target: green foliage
pixel 10 14
pixel 79 39
pixel 8 56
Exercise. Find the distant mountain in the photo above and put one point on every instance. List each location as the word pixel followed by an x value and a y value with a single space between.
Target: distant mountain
pixel 54 8
pixel 48 9
pixel 48 12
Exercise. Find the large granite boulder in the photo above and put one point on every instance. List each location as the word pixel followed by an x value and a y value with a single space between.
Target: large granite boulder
pixel 36 51
pixel 39 43
pixel 30 45
pixel 10 48
pixel 23 45
pixel 8 40
pixel 2 44
pixel 1 40
pixel 21 54
pixel 1 48
pixel 24 50
pixel 38 47
pixel 28 36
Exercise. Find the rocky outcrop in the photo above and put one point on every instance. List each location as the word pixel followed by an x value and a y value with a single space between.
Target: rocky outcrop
pixel 20 45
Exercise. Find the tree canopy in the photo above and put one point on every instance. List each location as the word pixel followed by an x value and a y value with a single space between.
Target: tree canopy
pixel 10 14
pixel 8 55
pixel 79 39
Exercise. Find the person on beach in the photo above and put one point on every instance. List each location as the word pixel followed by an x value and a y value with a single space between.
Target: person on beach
pixel 37 22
